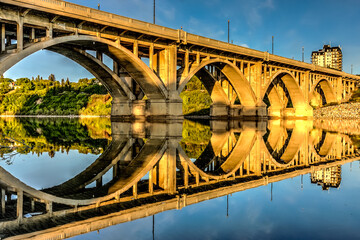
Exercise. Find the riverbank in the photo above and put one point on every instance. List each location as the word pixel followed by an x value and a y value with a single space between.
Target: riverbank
pixel 341 111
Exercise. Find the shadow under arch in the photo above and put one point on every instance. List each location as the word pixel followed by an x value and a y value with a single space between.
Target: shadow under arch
pixel 232 73
pixel 149 82
pixel 327 92
pixel 291 87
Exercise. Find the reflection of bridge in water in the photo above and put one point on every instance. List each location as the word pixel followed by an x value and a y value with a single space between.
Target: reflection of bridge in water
pixel 152 173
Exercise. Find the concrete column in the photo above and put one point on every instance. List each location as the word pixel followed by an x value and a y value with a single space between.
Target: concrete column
pixel 20 205
pixel 3 194
pixel 99 55
pixel 2 38
pixel 99 182
pixel 265 78
pixel 32 34
pixel 116 68
pixel 49 208
pixel 151 56
pixel 166 67
pixel 20 34
pixel 339 89
pixel 135 191
pixel 136 49
pixel 306 88
pixel 186 65
pixel 151 184
pixel 172 51
pixel 198 58
pixel 172 145
pixel 257 75
pixel 49 31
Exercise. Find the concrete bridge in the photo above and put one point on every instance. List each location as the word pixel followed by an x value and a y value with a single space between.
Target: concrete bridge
pixel 157 62
pixel 152 173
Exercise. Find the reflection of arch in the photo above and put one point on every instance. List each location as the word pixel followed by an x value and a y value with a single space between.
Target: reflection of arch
pixel 327 89
pixel 289 148
pixel 298 101
pixel 150 154
pixel 326 143
pixel 233 74
pixel 235 159
pixel 138 70
pixel 115 152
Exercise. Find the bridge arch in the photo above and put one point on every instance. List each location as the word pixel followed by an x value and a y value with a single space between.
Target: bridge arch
pixel 327 93
pixel 149 82
pixel 299 105
pixel 232 73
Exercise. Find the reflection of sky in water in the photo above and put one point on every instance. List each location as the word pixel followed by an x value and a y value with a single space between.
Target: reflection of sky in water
pixel 294 213
pixel 43 171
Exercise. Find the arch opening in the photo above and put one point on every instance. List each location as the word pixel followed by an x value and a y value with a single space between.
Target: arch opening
pixel 322 94
pixel 283 97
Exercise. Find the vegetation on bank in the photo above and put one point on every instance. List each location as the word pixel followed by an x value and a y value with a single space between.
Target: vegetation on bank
pixel 355 97
pixel 38 96
pixel 196 99
pixel 51 97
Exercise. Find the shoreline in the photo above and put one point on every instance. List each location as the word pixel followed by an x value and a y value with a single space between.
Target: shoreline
pixel 55 116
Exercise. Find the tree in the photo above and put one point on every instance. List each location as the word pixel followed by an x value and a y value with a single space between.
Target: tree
pixel 52 78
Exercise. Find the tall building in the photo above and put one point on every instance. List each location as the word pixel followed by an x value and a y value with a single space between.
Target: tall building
pixel 330 57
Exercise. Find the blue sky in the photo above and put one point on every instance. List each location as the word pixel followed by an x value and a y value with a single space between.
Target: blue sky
pixel 294 24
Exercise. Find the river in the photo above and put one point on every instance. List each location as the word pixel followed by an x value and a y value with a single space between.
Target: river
pixel 100 179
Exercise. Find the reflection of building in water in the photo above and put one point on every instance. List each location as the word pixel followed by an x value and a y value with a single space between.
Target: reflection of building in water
pixel 327 177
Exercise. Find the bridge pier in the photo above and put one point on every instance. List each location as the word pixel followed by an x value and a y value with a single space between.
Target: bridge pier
pixel 220 111
pixel 161 109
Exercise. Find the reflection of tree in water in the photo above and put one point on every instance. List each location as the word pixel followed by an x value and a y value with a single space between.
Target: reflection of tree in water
pixel 52 135
pixel 10 147
pixel 196 137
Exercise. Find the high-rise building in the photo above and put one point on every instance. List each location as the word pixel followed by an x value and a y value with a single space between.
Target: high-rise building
pixel 330 57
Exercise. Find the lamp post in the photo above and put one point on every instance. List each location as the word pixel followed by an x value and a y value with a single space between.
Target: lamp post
pixel 302 53
pixel 272 44
pixel 228 31
pixel 154 13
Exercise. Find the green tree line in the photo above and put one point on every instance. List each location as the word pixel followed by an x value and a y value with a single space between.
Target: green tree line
pixel 38 96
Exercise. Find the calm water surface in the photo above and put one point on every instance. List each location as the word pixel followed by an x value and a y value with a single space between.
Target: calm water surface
pixel 194 180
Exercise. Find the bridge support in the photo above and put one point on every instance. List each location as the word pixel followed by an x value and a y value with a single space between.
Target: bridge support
pixel 150 108
pixel 220 111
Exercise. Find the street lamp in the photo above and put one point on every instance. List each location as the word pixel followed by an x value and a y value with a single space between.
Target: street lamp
pixel 228 31
pixel 154 13
pixel 302 53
